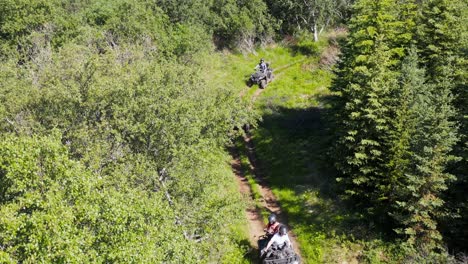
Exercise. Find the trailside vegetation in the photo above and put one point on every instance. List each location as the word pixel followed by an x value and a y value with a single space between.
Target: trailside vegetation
pixel 112 140
pixel 115 116
pixel 315 16
pixel 398 89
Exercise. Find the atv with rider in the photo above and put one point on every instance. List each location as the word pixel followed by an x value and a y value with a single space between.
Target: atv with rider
pixel 262 76
pixel 277 249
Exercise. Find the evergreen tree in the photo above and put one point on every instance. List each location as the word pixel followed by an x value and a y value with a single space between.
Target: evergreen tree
pixel 425 136
pixel 440 36
pixel 394 140
pixel 366 82
pixel 442 39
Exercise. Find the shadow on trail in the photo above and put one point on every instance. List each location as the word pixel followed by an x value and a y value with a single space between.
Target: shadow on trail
pixel 252 254
pixel 292 147
pixel 293 143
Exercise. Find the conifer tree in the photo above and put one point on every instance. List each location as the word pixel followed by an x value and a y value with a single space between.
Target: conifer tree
pixel 439 36
pixel 366 81
pixel 442 39
pixel 425 136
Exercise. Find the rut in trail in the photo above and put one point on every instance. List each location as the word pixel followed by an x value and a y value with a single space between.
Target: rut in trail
pixel 252 214
pixel 268 200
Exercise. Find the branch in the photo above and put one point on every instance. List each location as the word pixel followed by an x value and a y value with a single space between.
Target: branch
pixel 12 124
pixel 162 178
pixel 9 121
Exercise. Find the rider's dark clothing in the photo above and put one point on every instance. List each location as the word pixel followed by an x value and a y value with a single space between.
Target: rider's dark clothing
pixel 262 66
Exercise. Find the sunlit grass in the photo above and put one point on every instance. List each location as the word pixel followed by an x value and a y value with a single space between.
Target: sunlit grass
pixel 291 143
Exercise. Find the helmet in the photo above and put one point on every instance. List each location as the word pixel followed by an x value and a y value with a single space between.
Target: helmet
pixel 272 218
pixel 262 60
pixel 283 230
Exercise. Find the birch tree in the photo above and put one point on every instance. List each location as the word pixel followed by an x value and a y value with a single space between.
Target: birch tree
pixel 311 15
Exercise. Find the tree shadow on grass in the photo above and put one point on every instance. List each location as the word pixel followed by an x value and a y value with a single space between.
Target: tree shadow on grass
pixel 293 149
pixel 251 255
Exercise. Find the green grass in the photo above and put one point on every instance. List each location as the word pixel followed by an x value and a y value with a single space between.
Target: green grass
pixel 248 173
pixel 291 142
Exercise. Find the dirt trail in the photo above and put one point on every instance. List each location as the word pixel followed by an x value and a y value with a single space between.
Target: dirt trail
pixel 255 95
pixel 253 216
pixel 268 201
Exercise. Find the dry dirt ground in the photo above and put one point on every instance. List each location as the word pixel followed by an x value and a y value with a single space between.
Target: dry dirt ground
pixel 268 200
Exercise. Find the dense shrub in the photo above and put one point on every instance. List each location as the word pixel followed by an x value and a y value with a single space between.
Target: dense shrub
pixel 112 141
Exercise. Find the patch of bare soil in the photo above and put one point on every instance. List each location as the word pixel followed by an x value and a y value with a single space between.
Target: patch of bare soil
pixel 269 201
pixel 253 216
pixel 256 94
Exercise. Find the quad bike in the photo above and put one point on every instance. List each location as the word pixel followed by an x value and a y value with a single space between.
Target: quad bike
pixel 270 259
pixel 261 78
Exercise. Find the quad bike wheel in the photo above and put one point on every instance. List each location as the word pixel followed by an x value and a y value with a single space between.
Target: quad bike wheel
pixel 263 84
pixel 270 78
pixel 250 83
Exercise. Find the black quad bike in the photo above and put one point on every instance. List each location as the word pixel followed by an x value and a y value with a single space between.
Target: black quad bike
pixel 275 255
pixel 261 78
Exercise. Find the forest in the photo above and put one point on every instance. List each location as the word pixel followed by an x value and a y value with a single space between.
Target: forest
pixel 118 119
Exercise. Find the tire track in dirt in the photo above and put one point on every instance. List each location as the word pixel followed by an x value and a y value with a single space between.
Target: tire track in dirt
pixel 255 95
pixel 268 200
pixel 251 213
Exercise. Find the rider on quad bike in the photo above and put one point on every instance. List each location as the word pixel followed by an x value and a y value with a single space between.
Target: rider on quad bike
pixel 272 226
pixel 262 66
pixel 271 229
pixel 279 249
pixel 262 76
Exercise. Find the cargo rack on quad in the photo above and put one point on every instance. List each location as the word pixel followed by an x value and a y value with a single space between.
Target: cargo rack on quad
pixel 288 260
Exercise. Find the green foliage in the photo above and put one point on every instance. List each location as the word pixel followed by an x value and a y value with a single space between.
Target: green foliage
pixel 55 210
pixel 395 137
pixel 133 171
pixel 234 24
pixel 311 16
pixel 306 45
pixel 19 18
pixel 426 137
pixel 238 24
pixel 440 34
pixel 442 45
pixel 131 121
pixel 366 81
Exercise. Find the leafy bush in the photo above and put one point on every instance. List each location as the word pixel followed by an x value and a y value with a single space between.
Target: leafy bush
pixel 305 44
pixel 133 170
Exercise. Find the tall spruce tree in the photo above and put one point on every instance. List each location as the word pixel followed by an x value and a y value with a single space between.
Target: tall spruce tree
pixel 366 81
pixel 442 39
pixel 439 36
pixel 424 139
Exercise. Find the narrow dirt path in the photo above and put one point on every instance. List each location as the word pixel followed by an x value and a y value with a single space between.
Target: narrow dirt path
pixel 268 200
pixel 256 94
pixel 253 216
